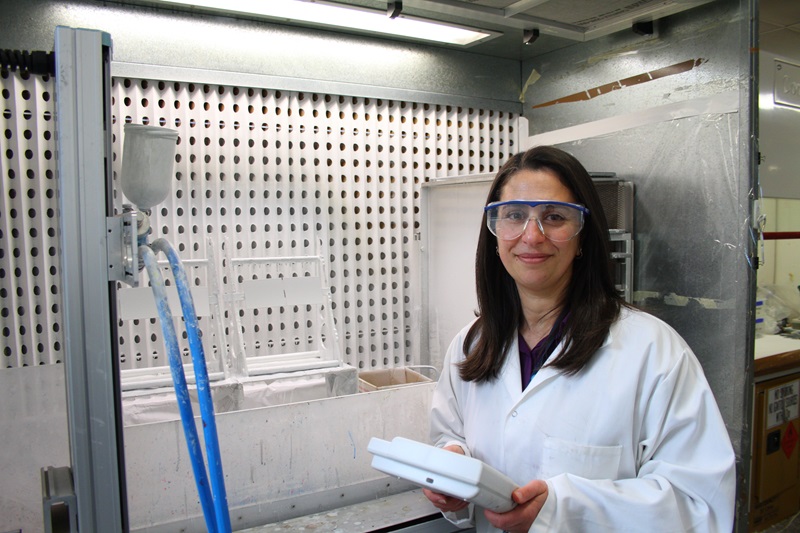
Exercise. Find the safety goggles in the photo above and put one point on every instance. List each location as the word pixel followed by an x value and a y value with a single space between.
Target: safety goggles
pixel 558 221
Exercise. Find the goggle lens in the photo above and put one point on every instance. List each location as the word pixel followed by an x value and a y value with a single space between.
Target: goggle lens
pixel 558 221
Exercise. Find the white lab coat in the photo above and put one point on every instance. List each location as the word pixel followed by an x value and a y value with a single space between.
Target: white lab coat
pixel 633 442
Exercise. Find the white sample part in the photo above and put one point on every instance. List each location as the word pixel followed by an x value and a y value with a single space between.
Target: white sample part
pixel 444 472
pixel 148 159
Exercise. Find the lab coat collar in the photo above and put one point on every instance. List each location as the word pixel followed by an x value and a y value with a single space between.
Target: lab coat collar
pixel 510 375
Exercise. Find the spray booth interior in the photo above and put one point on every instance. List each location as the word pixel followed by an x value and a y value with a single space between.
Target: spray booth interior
pixel 320 202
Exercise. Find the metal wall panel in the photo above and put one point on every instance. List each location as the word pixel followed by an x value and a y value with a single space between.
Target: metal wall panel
pixel 779 104
pixel 685 140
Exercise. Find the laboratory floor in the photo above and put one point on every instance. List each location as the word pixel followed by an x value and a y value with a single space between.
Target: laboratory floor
pixel 409 512
pixel 790 525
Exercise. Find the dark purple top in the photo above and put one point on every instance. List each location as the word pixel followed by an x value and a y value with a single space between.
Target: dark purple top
pixel 532 359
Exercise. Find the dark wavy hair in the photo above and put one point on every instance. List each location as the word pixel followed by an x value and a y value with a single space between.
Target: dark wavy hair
pixel 591 303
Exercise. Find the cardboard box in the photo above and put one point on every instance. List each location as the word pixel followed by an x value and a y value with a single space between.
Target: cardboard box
pixel 775 481
pixel 389 378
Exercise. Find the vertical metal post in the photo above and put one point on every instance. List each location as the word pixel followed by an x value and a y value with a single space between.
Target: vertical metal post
pixel 92 377
pixel 749 187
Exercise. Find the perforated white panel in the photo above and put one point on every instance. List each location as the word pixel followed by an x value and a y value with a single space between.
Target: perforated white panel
pixel 259 173
pixel 30 300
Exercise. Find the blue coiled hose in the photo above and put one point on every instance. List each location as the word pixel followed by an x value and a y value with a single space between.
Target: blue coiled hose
pixel 213 502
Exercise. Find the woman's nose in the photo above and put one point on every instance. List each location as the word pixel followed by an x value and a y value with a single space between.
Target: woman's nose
pixel 533 231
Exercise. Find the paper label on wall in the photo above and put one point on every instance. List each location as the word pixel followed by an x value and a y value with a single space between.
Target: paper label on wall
pixel 782 403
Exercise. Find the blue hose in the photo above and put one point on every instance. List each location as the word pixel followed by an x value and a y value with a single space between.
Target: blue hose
pixel 223 521
pixel 181 389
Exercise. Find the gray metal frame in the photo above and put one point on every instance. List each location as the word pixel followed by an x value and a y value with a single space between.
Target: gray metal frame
pixel 82 80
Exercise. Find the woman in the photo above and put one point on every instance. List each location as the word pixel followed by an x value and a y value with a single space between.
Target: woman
pixel 599 412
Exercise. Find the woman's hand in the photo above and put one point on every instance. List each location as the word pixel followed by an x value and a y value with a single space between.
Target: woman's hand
pixel 530 499
pixel 445 503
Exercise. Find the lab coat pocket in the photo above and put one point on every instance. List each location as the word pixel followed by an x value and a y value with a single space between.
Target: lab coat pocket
pixel 591 462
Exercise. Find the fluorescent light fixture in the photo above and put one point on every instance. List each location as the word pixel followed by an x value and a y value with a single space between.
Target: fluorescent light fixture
pixel 341 16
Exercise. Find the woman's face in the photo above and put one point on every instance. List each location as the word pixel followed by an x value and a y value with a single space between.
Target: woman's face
pixel 540 267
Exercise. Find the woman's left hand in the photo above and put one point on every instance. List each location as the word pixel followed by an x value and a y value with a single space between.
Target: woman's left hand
pixel 530 499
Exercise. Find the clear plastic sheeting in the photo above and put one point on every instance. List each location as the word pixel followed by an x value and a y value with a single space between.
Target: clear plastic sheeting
pixel 693 173
pixel 778 310
pixel 692 227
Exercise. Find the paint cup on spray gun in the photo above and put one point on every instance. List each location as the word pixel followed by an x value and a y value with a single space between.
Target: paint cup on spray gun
pixel 148 159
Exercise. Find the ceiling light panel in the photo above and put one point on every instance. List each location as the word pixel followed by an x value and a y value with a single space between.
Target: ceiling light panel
pixel 347 17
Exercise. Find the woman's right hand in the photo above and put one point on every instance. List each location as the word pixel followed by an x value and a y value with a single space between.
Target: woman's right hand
pixel 445 503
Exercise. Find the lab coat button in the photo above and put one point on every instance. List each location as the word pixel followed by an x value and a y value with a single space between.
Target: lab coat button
pixel 514 413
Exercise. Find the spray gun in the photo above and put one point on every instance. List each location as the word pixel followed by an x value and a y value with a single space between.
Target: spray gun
pixel 147 165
